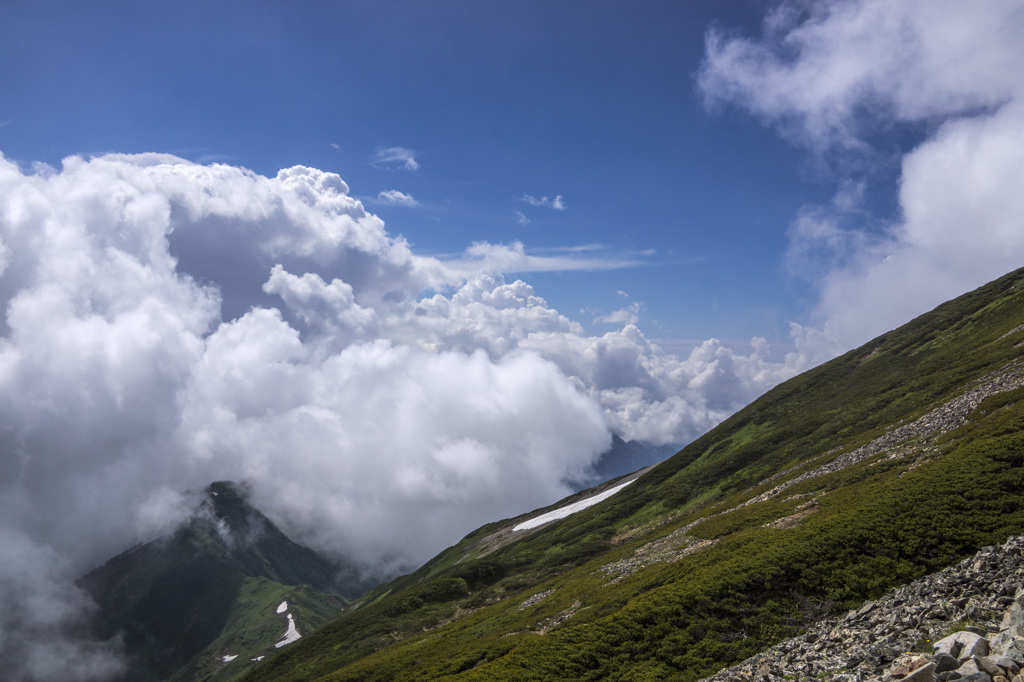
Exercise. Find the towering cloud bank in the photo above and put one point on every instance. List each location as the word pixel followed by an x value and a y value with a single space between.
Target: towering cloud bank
pixel 832 76
pixel 380 403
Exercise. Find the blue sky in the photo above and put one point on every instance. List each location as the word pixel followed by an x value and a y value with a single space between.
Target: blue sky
pixel 595 102
pixel 406 267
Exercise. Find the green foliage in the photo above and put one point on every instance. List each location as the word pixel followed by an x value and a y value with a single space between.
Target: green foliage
pixel 254 626
pixel 185 601
pixel 887 520
pixel 436 591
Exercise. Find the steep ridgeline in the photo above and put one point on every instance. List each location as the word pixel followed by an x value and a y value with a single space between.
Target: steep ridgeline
pixel 206 601
pixel 887 464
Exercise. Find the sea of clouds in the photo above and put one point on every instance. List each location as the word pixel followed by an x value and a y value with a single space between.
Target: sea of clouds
pixel 378 412
pixel 382 403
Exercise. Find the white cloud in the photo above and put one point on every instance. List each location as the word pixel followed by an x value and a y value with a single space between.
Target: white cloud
pixel 487 257
pixel 832 76
pixel 380 403
pixel 628 315
pixel 650 395
pixel 521 218
pixel 395 157
pixel 394 197
pixel 330 308
pixel 44 619
pixel 544 202
pixel 827 72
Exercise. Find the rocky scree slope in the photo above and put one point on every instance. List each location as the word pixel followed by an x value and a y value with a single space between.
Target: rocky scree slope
pixel 965 622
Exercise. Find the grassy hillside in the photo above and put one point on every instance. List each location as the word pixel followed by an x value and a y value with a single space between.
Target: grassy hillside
pixel 184 602
pixel 254 626
pixel 883 465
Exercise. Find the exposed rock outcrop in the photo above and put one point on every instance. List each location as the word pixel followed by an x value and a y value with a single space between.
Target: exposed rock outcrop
pixel 963 623
pixel 940 420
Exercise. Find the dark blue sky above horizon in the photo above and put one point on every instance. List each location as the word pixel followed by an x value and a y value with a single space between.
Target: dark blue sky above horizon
pixel 595 102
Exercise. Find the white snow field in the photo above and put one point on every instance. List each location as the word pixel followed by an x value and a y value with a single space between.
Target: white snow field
pixel 291 635
pixel 568 509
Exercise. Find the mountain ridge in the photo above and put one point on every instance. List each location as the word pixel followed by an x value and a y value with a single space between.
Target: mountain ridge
pixel 735 574
pixel 201 586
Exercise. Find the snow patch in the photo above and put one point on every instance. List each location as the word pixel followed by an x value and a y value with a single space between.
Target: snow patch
pixel 291 635
pixel 228 658
pixel 257 659
pixel 282 607
pixel 569 509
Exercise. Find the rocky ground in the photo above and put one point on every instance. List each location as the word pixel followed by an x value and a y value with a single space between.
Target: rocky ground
pixel 963 623
pixel 940 420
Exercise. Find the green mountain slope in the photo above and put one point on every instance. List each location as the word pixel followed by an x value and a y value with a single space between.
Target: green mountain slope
pixel 186 604
pixel 874 469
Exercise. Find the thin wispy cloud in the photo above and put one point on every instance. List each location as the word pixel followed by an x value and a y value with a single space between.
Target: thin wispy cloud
pixel 396 198
pixel 584 248
pixel 395 158
pixel 543 202
pixel 521 218
pixel 514 258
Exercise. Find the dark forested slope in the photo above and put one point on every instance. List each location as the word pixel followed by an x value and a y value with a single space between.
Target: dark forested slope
pixel 210 591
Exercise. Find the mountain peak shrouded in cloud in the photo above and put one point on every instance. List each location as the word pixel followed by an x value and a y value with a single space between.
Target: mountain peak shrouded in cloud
pixel 178 602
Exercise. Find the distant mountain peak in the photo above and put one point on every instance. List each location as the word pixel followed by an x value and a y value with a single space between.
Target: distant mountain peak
pixel 177 596
pixel 224 513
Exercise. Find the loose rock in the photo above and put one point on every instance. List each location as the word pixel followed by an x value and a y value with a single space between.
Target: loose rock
pixel 978 634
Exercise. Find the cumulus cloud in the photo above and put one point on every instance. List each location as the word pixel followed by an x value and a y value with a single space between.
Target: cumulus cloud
pixel 828 72
pixel 395 157
pixel 628 315
pixel 830 75
pixel 396 198
pixel 544 202
pixel 380 403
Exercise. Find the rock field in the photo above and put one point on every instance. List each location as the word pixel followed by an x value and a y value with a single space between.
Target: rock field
pixel 963 623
